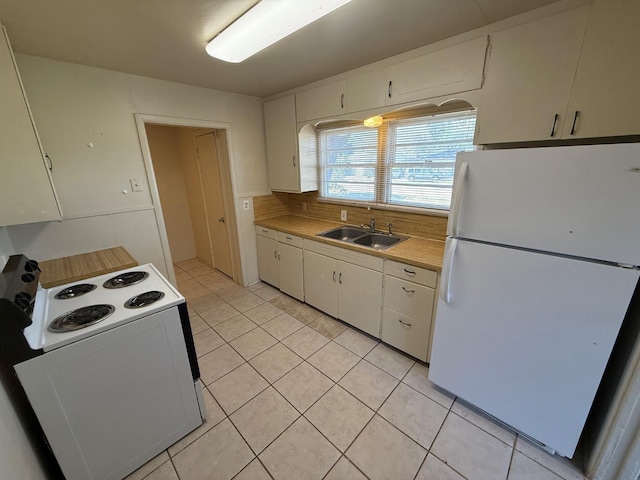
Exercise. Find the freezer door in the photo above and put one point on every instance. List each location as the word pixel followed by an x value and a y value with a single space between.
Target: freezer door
pixel 580 200
pixel 526 336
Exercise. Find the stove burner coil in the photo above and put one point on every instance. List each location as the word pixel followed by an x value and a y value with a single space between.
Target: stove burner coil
pixel 75 291
pixel 144 299
pixel 125 279
pixel 81 318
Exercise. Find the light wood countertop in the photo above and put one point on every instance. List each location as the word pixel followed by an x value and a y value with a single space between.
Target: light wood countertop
pixel 78 267
pixel 418 251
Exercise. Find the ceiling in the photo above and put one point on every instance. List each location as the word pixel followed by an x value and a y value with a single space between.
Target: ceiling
pixel 166 38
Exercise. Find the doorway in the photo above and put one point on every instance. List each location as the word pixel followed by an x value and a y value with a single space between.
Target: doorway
pixel 191 169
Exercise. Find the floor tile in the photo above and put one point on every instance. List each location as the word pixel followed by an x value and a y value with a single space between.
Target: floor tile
pixel 328 326
pixel 253 343
pixel 302 386
pixel 345 470
pixel 284 302
pixel 282 326
pixel 192 293
pixel 480 419
pixel 300 453
pixel 305 342
pixel 220 453
pixel 434 469
pixel 148 467
pixel 383 452
pixel 339 416
pixel 187 283
pixel 415 415
pixel 237 387
pixel 356 342
pixel 256 286
pixel 206 302
pixel 275 362
pixel 560 465
pixel 264 418
pixel 190 264
pixel 206 341
pixel 263 313
pixel 246 302
pixel 333 360
pixel 267 293
pixel 164 472
pixel 390 361
pixel 214 416
pixel 234 327
pixel 369 384
pixel 523 468
pixel 215 281
pixel 303 312
pixel 485 457
pixel 253 471
pixel 418 378
pixel 230 292
pixel 218 314
pixel 197 324
pixel 217 363
pixel 201 270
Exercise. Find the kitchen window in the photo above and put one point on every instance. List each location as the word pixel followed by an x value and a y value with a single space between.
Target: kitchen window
pixel 406 162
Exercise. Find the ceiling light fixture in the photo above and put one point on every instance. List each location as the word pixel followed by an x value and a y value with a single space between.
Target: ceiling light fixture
pixel 265 24
pixel 373 122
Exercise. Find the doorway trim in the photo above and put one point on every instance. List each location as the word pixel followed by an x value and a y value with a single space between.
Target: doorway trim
pixel 142 119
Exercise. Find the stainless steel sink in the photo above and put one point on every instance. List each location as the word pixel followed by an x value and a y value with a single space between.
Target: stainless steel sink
pixel 363 237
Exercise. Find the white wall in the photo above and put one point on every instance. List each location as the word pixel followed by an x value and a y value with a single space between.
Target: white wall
pixel 6 247
pixel 85 118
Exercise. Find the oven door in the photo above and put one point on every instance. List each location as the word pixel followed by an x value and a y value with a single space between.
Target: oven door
pixel 111 402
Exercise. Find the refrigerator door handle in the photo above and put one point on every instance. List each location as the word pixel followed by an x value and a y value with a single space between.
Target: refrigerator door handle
pixel 450 251
pixel 452 226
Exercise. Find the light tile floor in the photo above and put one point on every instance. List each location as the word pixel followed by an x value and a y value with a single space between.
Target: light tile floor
pixel 292 393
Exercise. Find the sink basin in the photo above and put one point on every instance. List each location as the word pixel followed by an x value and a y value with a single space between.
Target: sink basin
pixel 363 237
pixel 343 233
pixel 377 240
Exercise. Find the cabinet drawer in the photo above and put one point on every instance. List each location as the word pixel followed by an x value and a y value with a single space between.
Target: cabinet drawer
pixel 411 273
pixel 408 298
pixel 406 334
pixel 289 239
pixel 265 232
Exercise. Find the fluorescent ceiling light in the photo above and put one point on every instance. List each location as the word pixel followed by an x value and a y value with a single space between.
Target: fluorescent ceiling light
pixel 265 24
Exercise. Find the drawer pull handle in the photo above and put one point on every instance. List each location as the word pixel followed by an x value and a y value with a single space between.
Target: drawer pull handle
pixel 404 323
pixel 334 276
pixel 264 231
pixel 409 272
pixel 408 291
pixel 288 238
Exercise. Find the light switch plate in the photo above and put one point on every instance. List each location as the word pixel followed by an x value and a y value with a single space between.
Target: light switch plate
pixel 245 204
pixel 343 215
pixel 136 186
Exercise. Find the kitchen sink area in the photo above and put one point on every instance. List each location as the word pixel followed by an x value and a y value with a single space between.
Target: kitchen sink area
pixel 363 237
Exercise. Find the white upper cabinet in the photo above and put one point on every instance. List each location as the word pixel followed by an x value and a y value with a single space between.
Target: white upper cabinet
pixel 451 70
pixel 26 187
pixel 291 155
pixel 529 77
pixel 605 92
pixel 368 90
pixel 327 101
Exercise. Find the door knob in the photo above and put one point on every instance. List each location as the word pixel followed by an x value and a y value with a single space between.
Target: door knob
pixel 221 219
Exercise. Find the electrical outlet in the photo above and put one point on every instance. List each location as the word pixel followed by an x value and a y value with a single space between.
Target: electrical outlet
pixel 135 185
pixel 245 204
pixel 343 215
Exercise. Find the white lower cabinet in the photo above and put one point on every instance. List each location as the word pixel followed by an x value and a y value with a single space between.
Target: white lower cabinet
pixel 409 297
pixel 344 284
pixel 280 261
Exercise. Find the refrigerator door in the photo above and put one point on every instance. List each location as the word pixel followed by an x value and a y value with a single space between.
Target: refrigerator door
pixel 526 336
pixel 580 200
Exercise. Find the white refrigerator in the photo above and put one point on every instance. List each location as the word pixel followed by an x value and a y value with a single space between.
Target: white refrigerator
pixel 540 266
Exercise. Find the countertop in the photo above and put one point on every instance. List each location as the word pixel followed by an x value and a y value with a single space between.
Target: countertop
pixel 418 251
pixel 78 267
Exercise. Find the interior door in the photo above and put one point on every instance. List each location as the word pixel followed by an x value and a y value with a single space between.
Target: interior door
pixel 526 336
pixel 214 202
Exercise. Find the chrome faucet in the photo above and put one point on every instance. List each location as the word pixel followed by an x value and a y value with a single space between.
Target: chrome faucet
pixel 372 225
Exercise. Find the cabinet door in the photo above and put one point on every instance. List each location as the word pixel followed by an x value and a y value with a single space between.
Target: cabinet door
pixel 26 188
pixel 322 102
pixel 280 128
pixel 290 274
pixel 366 91
pixel 605 92
pixel 320 280
pixel 267 260
pixel 529 77
pixel 450 70
pixel 360 297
